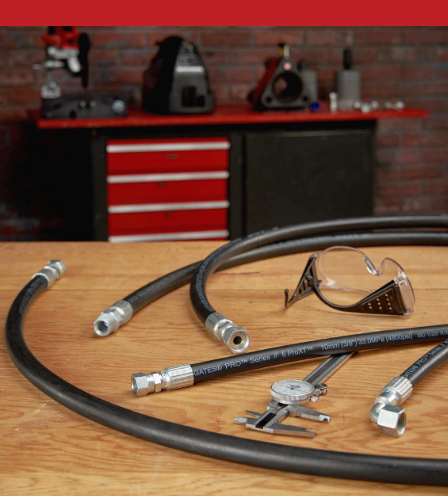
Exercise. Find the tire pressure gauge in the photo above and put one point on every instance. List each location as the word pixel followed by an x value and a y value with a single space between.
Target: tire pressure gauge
pixel 292 391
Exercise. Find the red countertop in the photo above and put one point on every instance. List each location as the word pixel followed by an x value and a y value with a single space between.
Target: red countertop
pixel 223 115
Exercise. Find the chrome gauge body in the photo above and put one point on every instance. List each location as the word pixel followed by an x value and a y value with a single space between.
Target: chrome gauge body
pixel 292 391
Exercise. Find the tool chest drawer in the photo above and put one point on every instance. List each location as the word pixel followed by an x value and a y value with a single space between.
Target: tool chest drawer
pixel 169 221
pixel 167 155
pixel 156 188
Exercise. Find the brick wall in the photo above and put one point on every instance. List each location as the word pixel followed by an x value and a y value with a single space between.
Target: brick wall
pixel 396 63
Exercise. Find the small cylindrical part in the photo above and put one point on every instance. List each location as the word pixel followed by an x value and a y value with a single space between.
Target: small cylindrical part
pixel 113 318
pixel 176 377
pixel 53 271
pixel 235 338
pixel 348 83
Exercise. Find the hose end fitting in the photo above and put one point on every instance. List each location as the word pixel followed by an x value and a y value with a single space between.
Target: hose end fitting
pixel 176 377
pixel 235 338
pixel 390 418
pixel 113 318
pixel 52 272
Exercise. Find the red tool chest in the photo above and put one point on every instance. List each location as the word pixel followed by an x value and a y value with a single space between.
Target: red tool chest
pixel 167 189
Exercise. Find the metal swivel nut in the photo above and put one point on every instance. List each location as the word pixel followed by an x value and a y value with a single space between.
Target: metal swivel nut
pixel 52 272
pixel 113 318
pixel 390 418
pixel 176 377
pixel 235 338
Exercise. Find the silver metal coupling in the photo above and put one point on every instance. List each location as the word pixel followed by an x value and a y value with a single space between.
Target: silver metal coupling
pixel 390 418
pixel 53 271
pixel 176 377
pixel 235 338
pixel 113 318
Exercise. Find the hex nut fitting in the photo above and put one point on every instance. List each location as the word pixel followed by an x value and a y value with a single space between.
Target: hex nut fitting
pixel 235 338
pixel 176 377
pixel 390 418
pixel 52 272
pixel 113 318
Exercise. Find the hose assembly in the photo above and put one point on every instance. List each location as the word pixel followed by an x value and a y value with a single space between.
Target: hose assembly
pixel 267 455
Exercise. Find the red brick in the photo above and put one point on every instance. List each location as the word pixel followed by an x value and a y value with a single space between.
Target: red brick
pixel 399 190
pixel 384 175
pixel 325 75
pixel 226 38
pixel 274 37
pixel 368 37
pixel 433 104
pixel 24 96
pixel 387 141
pixel 104 57
pixel 388 125
pixel 13 115
pixel 382 90
pixel 381 72
pixel 422 172
pixel 437 54
pixel 25 58
pixel 420 72
pixel 384 155
pixel 34 39
pixel 16 77
pixel 426 139
pixel 231 75
pixel 118 40
pixel 436 155
pixel 3 98
pixel 329 37
pixel 425 37
pixel 404 156
pixel 137 58
pixel 436 122
pixel 407 54
pixel 386 207
pixel 214 57
pixel 239 92
pixel 125 76
pixel 436 188
pixel 318 56
pixel 365 55
pixel 2 59
pixel 7 41
pixel 425 89
pixel 424 205
pixel 251 56
pixel 222 94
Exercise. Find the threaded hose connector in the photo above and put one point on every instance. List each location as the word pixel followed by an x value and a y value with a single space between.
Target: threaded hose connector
pixel 52 272
pixel 176 377
pixel 235 338
pixel 113 318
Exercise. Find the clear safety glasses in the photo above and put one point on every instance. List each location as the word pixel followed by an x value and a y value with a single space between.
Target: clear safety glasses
pixel 346 279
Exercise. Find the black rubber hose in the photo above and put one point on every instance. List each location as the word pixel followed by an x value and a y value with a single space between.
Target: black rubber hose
pixel 198 294
pixel 261 454
pixel 427 363
pixel 174 280
pixel 270 357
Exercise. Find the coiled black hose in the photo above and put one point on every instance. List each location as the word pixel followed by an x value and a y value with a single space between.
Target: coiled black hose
pixel 198 293
pixel 261 454
pixel 267 455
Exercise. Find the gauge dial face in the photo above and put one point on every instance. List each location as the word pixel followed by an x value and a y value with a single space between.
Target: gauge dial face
pixel 291 390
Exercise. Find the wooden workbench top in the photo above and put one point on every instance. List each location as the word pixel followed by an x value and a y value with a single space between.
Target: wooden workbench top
pixel 48 450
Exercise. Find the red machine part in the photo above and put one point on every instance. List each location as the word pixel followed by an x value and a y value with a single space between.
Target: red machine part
pixel 62 37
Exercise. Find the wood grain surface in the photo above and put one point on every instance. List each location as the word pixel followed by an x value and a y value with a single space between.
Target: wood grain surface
pixel 49 450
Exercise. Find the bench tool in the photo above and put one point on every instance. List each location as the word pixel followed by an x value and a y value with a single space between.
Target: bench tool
pixel 289 397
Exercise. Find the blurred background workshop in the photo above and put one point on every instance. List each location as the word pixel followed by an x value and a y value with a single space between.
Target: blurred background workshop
pixel 166 133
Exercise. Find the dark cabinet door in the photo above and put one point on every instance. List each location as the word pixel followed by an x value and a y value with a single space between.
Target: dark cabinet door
pixel 296 177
